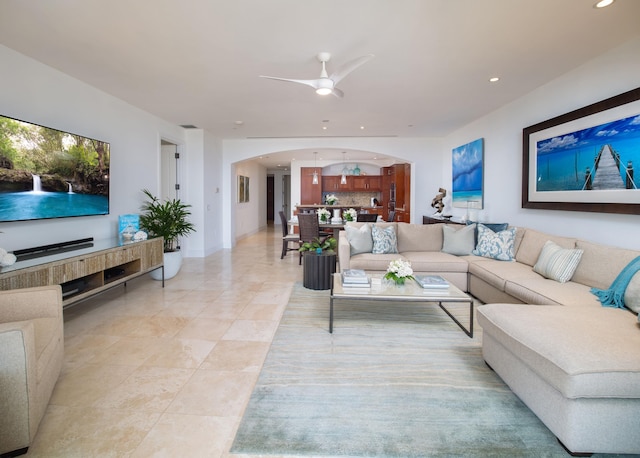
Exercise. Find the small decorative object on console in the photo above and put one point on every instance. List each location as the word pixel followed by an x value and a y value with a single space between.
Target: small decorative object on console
pixel 399 271
pixel 437 201
pixel 350 214
pixel 331 199
pixel 6 259
pixel 432 281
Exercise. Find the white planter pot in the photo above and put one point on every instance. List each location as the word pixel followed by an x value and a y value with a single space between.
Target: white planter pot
pixel 172 264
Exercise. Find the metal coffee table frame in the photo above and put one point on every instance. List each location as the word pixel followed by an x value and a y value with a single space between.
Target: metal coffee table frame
pixel 411 292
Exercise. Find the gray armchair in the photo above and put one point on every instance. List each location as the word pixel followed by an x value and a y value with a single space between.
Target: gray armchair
pixel 31 353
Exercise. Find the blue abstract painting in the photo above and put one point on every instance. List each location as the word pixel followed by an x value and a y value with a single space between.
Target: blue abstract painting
pixel 467 171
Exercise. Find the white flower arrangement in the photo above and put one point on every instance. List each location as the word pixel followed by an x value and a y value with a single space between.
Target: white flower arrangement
pixel 6 259
pixel 324 214
pixel 331 199
pixel 399 271
pixel 350 214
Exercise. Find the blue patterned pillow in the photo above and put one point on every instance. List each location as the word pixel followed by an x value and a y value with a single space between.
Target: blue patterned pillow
pixel 384 240
pixel 495 245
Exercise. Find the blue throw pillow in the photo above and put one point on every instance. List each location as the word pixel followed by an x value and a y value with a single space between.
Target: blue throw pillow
pixel 495 245
pixel 384 240
pixel 495 227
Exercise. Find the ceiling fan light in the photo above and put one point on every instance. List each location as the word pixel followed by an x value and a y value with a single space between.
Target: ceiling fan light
pixel 323 91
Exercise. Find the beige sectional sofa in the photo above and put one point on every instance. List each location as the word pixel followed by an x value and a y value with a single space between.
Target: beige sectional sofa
pixel 573 362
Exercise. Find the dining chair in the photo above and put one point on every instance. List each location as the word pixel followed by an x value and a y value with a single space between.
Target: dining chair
pixel 309 229
pixel 392 215
pixel 288 238
pixel 367 217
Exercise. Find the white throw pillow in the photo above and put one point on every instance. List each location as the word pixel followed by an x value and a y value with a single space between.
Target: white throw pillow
pixel 557 263
pixel 359 238
pixel 495 245
pixel 459 242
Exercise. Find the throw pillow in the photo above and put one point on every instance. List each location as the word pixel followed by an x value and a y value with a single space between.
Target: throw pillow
pixel 495 245
pixel 495 227
pixel 557 263
pixel 360 240
pixel 459 242
pixel 384 240
pixel 632 295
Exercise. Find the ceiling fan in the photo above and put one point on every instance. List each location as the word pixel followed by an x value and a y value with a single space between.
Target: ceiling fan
pixel 327 84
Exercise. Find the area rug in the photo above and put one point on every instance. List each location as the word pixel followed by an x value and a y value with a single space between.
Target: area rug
pixel 393 380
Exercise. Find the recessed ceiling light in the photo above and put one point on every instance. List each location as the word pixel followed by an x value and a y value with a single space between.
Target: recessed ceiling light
pixel 603 3
pixel 239 123
pixel 361 127
pixel 324 127
pixel 495 79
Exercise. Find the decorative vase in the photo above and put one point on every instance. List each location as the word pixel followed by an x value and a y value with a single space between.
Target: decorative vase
pixel 172 264
pixel 337 219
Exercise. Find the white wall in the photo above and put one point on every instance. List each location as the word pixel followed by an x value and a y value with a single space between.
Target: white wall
pixel 613 73
pixel 37 93
pixel 250 216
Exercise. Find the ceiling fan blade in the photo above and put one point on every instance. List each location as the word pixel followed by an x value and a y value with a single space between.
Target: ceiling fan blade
pixel 312 83
pixel 349 67
pixel 337 92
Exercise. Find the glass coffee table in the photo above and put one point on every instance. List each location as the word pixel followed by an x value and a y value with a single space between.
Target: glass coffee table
pixel 381 290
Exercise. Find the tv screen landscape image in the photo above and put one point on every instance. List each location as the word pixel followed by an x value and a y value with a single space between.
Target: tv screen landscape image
pixel 48 173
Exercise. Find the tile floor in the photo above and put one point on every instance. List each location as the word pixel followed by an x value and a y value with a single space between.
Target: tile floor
pixel 168 372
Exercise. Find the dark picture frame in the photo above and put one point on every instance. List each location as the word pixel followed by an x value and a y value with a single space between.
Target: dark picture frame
pixel 243 189
pixel 588 126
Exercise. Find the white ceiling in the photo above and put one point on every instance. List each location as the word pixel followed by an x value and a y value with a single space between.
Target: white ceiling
pixel 197 61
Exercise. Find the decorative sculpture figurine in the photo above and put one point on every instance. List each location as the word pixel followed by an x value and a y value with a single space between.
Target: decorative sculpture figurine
pixel 437 201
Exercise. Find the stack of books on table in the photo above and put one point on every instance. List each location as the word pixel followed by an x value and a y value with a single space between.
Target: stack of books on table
pixel 355 278
pixel 432 281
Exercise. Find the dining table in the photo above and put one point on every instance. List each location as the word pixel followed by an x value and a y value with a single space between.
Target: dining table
pixel 328 226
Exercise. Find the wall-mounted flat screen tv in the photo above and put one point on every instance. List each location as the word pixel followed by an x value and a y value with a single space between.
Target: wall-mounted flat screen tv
pixel 48 173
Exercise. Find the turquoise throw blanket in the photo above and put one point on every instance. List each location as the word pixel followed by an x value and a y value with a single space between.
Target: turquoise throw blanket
pixel 614 296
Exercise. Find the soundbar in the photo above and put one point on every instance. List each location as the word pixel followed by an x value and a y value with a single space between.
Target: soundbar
pixel 47 250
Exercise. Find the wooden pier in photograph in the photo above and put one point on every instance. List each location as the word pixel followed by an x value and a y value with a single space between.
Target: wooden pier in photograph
pixel 606 172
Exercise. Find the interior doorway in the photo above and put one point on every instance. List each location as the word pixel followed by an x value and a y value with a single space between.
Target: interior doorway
pixel 169 183
pixel 286 195
pixel 270 199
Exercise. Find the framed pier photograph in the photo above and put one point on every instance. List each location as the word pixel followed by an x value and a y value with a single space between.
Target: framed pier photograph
pixel 585 160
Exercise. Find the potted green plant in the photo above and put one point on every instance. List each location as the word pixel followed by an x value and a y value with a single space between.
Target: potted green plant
pixel 319 262
pixel 168 219
pixel 329 244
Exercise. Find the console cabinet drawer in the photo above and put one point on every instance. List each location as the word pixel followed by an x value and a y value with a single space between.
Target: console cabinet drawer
pixel 83 267
pixel 122 255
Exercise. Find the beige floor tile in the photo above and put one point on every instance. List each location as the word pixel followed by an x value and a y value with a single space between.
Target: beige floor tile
pixel 89 432
pixel 147 389
pixel 177 435
pixel 252 330
pixel 180 353
pixel 235 355
pixel 86 385
pixel 258 311
pixel 205 328
pixel 215 393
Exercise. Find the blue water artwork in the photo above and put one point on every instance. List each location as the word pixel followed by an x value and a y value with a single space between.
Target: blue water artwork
pixel 467 174
pixel 600 158
pixel 19 206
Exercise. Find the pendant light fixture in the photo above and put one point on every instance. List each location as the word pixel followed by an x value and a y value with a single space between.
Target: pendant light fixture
pixel 343 178
pixel 315 166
